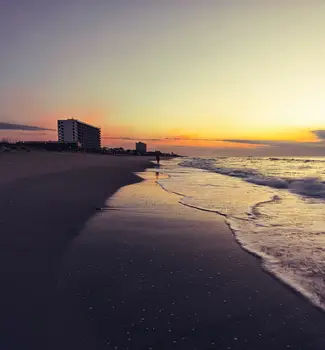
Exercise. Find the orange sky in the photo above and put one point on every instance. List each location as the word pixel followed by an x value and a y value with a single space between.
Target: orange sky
pixel 237 69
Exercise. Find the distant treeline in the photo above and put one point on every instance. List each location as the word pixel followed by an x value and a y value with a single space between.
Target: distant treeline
pixel 55 146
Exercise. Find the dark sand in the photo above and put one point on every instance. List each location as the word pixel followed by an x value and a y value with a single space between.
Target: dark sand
pixel 45 199
pixel 149 273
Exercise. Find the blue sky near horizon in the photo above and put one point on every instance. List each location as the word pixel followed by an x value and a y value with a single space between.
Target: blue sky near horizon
pixel 178 71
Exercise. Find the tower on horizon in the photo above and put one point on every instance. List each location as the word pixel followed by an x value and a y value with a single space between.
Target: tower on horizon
pixel 141 147
pixel 85 135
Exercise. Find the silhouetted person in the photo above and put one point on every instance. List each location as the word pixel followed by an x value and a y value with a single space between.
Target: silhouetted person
pixel 157 158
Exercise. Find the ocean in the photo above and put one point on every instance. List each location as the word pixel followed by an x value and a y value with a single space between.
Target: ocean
pixel 275 208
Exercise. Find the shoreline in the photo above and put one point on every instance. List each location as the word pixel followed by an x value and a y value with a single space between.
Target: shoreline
pixel 149 272
pixel 46 199
pixel 143 271
pixel 295 288
pixel 271 264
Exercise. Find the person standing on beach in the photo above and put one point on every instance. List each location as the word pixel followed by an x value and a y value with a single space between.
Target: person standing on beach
pixel 158 157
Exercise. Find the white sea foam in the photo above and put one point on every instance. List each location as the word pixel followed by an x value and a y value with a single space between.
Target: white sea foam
pixel 308 186
pixel 274 207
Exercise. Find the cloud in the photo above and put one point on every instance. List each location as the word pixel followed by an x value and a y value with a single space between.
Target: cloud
pixel 228 147
pixel 127 138
pixel 320 134
pixel 11 126
pixel 174 138
pixel 188 138
pixel 271 143
pixel 259 143
pixel 251 142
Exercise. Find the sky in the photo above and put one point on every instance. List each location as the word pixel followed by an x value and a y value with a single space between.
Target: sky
pixel 228 77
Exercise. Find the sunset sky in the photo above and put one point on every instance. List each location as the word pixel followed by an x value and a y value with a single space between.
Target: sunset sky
pixel 196 77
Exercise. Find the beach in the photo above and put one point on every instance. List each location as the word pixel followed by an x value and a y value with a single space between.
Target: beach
pixel 149 273
pixel 94 258
pixel 46 198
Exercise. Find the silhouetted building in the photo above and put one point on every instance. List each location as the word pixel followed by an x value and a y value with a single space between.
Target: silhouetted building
pixel 141 147
pixel 73 130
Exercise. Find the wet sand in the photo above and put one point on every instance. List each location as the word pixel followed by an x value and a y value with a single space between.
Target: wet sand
pixel 45 200
pixel 149 273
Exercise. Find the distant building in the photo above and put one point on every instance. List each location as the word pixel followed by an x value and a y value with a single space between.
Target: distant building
pixel 73 130
pixel 141 147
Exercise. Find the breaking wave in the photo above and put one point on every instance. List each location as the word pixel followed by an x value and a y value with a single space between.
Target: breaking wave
pixel 308 186
pixel 274 207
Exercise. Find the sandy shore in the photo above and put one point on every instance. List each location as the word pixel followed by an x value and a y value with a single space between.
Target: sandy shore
pixel 142 273
pixel 45 199
pixel 149 273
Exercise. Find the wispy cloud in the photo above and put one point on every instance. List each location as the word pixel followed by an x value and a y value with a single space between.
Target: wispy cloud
pixel 250 142
pixel 11 126
pixel 270 143
pixel 174 138
pixel 188 138
pixel 128 138
pixel 267 143
pixel 320 134
pixel 231 147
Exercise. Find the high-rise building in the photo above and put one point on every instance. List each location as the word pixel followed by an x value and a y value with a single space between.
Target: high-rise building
pixel 141 147
pixel 73 130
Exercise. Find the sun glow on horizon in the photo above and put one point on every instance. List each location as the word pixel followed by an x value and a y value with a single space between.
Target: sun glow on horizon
pixel 194 73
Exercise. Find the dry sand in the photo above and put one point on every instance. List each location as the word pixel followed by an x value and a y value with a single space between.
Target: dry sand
pixel 45 199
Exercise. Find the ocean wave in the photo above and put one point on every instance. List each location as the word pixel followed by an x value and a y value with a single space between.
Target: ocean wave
pixel 309 186
pixel 264 213
pixel 301 160
pixel 302 270
pixel 270 181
